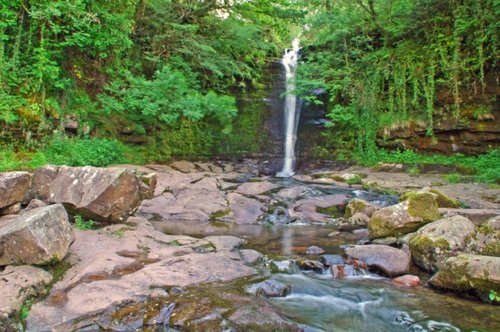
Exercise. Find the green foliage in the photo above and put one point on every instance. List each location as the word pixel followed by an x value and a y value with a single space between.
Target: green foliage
pixel 486 166
pixel 82 224
pixel 25 309
pixel 384 63
pixel 494 296
pixel 82 152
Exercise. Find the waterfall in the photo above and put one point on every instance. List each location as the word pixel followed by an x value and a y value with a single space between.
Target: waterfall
pixel 291 109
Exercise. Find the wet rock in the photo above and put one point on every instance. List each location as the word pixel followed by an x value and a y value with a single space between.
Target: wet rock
pixel 270 288
pixel 435 242
pixel 163 318
pixel 103 194
pixel 486 238
pixel 314 250
pixel 417 210
pixel 256 188
pixel 338 271
pixel 244 210
pixel 390 261
pixel 14 187
pixel 34 203
pixel 12 209
pixel 308 208
pixel 40 236
pixel 250 256
pixel 474 274
pixel 388 241
pixel 310 265
pixel 329 260
pixel 17 284
pixel 407 280
pixel 356 221
pixel 259 317
pixel 477 216
pixel 359 206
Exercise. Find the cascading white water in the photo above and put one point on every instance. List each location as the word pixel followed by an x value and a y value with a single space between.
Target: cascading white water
pixel 290 110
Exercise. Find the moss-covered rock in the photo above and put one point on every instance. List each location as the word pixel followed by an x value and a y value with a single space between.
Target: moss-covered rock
pixel 469 274
pixel 437 241
pixel 359 206
pixel 415 211
pixel 443 201
pixel 486 238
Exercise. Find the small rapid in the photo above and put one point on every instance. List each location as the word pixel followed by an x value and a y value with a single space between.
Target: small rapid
pixel 291 109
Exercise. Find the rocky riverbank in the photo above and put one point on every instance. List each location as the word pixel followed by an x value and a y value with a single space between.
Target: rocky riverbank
pixel 126 261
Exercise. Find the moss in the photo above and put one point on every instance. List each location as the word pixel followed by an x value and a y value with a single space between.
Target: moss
pixel 445 201
pixel 332 211
pixel 354 206
pixel 422 205
pixel 491 249
pixel 219 214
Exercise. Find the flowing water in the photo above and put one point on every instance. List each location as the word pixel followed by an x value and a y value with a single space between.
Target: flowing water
pixel 318 302
pixel 291 109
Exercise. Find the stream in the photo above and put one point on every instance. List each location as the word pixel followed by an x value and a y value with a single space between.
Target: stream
pixel 318 302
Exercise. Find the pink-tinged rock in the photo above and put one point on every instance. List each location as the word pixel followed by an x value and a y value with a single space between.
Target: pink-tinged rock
pixel 104 194
pixel 407 280
pixel 388 260
pixel 40 236
pixel 13 187
pixel 256 188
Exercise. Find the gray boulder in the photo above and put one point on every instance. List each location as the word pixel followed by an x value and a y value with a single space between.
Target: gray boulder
pixel 40 236
pixel 270 288
pixel 435 242
pixel 359 206
pixel 103 194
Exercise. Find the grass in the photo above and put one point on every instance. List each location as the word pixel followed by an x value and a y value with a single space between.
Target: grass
pixel 82 224
pixel 485 168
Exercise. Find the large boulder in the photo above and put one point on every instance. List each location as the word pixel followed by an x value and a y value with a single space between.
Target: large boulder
pixel 435 242
pixel 486 238
pixel 390 261
pixel 417 210
pixel 17 284
pixel 40 236
pixel 442 200
pixel 474 274
pixel 103 194
pixel 477 216
pixel 13 188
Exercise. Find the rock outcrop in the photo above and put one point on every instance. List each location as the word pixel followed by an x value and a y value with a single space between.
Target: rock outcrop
pixel 14 187
pixel 40 236
pixel 486 238
pixel 436 241
pixel 359 206
pixel 103 194
pixel 417 210
pixel 474 274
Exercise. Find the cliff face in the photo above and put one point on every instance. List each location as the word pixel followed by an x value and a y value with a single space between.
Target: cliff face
pixel 475 129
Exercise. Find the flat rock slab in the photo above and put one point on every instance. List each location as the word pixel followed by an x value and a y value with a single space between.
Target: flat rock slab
pixel 306 209
pixel 18 283
pixel 13 187
pixel 40 236
pixel 122 264
pixel 256 188
pixel 104 194
pixel 390 261
pixel 244 210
